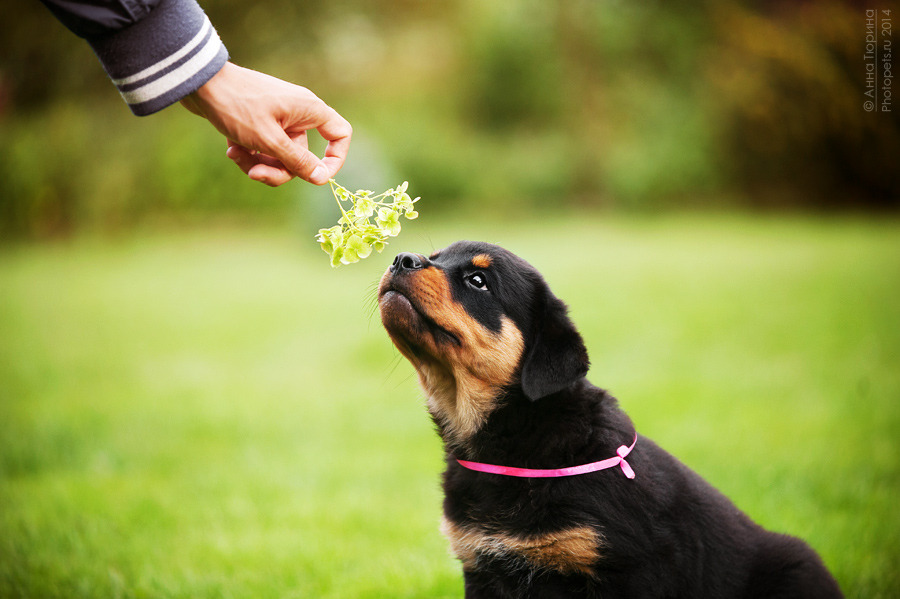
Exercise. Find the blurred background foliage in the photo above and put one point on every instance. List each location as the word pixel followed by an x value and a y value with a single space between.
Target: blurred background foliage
pixel 492 106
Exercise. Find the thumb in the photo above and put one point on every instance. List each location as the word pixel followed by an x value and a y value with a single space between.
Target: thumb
pixel 297 159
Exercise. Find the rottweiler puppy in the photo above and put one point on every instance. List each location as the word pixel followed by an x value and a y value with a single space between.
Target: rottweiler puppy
pixel 549 490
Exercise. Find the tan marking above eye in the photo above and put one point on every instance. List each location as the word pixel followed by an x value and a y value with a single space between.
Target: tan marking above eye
pixel 482 261
pixel 569 551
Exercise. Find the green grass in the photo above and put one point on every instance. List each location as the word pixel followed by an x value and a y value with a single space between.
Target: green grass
pixel 219 414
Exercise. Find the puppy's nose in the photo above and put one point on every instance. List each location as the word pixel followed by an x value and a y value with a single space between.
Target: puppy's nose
pixel 407 261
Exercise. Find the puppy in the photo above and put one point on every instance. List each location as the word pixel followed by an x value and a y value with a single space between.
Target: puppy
pixel 549 490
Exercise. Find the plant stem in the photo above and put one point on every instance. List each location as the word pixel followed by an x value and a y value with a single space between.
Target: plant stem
pixel 336 198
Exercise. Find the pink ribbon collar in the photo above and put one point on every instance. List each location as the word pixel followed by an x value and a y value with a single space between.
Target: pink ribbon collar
pixel 619 460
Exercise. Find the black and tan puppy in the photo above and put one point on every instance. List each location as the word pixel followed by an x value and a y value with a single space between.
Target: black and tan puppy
pixel 503 370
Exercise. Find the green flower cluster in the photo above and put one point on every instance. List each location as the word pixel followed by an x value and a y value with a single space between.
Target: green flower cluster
pixel 355 235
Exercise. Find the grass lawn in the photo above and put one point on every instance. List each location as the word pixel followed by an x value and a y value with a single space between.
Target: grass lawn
pixel 219 413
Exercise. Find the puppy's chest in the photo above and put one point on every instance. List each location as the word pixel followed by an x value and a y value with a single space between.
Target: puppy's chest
pixel 569 550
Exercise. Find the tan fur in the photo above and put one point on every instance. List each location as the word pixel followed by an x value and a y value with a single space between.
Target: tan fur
pixel 570 551
pixel 462 381
pixel 481 261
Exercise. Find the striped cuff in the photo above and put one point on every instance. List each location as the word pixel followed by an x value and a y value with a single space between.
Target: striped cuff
pixel 162 58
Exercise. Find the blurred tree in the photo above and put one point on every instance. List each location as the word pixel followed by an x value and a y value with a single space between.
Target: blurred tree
pixel 41 62
pixel 503 104
pixel 788 83
pixel 514 65
pixel 639 112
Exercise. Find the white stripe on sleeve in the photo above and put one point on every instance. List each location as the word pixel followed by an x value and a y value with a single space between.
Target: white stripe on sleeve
pixel 171 59
pixel 178 76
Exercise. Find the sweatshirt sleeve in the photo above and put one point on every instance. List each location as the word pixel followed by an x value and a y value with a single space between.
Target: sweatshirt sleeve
pixel 155 51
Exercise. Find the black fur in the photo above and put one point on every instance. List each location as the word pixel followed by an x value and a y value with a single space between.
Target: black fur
pixel 665 534
pixel 557 355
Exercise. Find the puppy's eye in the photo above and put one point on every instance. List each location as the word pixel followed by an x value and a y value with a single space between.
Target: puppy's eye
pixel 477 280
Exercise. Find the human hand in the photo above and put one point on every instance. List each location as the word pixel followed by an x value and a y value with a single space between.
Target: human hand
pixel 265 121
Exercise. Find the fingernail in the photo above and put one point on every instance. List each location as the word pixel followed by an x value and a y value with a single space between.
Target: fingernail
pixel 319 174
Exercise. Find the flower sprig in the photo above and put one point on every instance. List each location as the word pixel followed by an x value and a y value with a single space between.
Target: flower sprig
pixel 355 235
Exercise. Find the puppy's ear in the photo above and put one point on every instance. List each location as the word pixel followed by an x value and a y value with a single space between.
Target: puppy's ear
pixel 557 356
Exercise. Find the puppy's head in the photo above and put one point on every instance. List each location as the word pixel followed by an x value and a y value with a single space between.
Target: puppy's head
pixel 478 323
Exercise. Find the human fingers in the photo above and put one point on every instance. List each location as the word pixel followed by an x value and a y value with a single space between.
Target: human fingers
pixel 338 132
pixel 272 170
pixel 335 155
pixel 272 175
pixel 241 156
pixel 264 114
pixel 259 167
pixel 296 157
pixel 309 112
